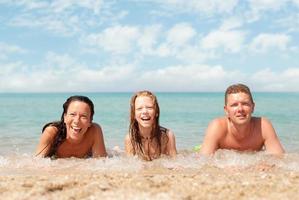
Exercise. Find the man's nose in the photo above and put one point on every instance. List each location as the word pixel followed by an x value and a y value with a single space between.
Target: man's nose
pixel 240 107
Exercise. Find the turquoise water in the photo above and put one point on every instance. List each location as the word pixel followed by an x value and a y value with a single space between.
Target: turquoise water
pixel 23 115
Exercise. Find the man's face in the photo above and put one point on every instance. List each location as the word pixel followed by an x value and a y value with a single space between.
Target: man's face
pixel 239 108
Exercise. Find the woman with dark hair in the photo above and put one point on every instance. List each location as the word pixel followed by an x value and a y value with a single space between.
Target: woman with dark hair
pixel 75 135
pixel 146 138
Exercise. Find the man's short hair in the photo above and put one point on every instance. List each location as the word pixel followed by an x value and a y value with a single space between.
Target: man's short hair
pixel 237 88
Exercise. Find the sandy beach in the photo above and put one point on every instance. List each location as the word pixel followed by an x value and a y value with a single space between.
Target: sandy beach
pixel 155 183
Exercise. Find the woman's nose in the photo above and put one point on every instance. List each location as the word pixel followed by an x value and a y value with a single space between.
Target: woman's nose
pixel 77 119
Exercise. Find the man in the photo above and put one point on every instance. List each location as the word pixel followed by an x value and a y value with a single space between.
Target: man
pixel 238 130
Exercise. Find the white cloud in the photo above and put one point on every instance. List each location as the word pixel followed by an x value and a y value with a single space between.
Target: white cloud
pixel 231 23
pixel 265 42
pixel 180 34
pixel 269 80
pixel 8 49
pixel 62 73
pixel 201 7
pixel 289 23
pixel 296 2
pixel 149 38
pixel 62 17
pixel 230 41
pixel 186 78
pixel 257 5
pixel 117 39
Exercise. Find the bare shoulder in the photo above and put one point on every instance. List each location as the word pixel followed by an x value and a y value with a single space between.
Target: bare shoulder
pixel 128 145
pixel 266 127
pixel 127 137
pixel 95 129
pixel 95 126
pixel 217 127
pixel 170 134
pixel 50 132
pixel 171 144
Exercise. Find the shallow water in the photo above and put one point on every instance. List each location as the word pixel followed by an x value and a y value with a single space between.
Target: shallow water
pixel 24 164
pixel 187 114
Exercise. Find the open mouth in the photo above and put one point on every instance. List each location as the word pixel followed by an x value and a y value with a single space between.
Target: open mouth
pixel 76 129
pixel 146 118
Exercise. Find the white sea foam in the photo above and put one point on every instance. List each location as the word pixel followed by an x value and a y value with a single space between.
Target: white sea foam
pixel 224 159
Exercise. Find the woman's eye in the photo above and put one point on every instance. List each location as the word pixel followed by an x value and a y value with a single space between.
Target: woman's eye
pixel 84 117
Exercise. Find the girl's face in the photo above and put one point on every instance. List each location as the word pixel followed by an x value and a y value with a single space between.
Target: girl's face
pixel 145 112
pixel 77 120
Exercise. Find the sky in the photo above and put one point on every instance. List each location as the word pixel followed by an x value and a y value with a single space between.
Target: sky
pixel 157 45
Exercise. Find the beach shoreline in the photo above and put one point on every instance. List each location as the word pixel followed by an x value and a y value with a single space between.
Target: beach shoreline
pixel 154 183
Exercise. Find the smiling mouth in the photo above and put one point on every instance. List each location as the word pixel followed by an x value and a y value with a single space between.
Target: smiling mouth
pixel 76 130
pixel 145 119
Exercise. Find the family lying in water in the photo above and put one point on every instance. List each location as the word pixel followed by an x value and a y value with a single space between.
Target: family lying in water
pixel 75 135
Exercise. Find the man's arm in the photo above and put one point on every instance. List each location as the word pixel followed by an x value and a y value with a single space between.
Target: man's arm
pixel 271 141
pixel 212 137
pixel 98 147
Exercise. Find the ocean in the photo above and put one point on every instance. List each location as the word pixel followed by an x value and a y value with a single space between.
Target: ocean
pixel 23 115
pixel 189 176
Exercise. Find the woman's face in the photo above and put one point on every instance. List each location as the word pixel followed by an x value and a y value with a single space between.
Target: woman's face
pixel 77 120
pixel 145 111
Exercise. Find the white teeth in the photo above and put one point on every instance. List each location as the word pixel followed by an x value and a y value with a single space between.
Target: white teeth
pixel 76 129
pixel 147 118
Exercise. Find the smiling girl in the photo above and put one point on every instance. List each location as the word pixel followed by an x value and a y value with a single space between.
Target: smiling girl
pixel 146 138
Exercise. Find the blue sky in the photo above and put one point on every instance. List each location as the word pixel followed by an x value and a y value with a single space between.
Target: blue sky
pixel 160 45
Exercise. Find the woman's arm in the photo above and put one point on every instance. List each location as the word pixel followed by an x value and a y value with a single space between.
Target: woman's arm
pixel 98 147
pixel 46 141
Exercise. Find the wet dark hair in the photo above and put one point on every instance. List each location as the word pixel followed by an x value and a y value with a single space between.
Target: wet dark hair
pixel 157 130
pixel 60 125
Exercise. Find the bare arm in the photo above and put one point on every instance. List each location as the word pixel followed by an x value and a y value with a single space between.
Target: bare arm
pixel 212 136
pixel 128 145
pixel 46 141
pixel 271 141
pixel 98 147
pixel 171 146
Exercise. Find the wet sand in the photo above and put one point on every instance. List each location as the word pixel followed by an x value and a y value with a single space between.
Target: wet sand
pixel 154 183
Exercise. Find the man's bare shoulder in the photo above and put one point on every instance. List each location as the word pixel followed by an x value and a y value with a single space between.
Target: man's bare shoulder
pixel 219 123
pixel 217 127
